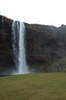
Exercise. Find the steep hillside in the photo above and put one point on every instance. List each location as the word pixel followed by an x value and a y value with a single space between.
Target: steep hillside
pixel 44 45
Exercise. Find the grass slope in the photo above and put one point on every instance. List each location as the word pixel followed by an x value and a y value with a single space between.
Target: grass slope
pixel 43 86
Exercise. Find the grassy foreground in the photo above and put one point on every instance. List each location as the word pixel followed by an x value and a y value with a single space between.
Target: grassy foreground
pixel 43 86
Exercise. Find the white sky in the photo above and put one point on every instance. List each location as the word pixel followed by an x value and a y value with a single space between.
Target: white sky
pixel 49 12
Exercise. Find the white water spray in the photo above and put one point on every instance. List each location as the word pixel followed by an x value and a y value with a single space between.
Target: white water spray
pixel 18 36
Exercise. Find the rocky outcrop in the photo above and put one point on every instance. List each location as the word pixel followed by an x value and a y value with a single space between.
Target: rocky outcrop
pixel 45 46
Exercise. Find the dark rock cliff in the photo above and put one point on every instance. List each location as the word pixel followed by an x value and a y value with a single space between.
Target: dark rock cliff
pixel 45 43
pixel 6 58
pixel 45 46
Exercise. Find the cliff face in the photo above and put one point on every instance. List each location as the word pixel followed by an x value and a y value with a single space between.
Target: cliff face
pixel 6 58
pixel 45 43
pixel 45 46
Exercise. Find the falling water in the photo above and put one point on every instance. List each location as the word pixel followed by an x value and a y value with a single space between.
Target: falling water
pixel 18 33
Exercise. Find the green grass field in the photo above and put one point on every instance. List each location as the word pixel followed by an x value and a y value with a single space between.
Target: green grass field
pixel 41 86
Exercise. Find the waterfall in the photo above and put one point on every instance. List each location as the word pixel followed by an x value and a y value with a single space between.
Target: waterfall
pixel 18 44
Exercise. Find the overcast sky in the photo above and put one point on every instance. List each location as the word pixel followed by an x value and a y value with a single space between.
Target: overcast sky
pixel 49 12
